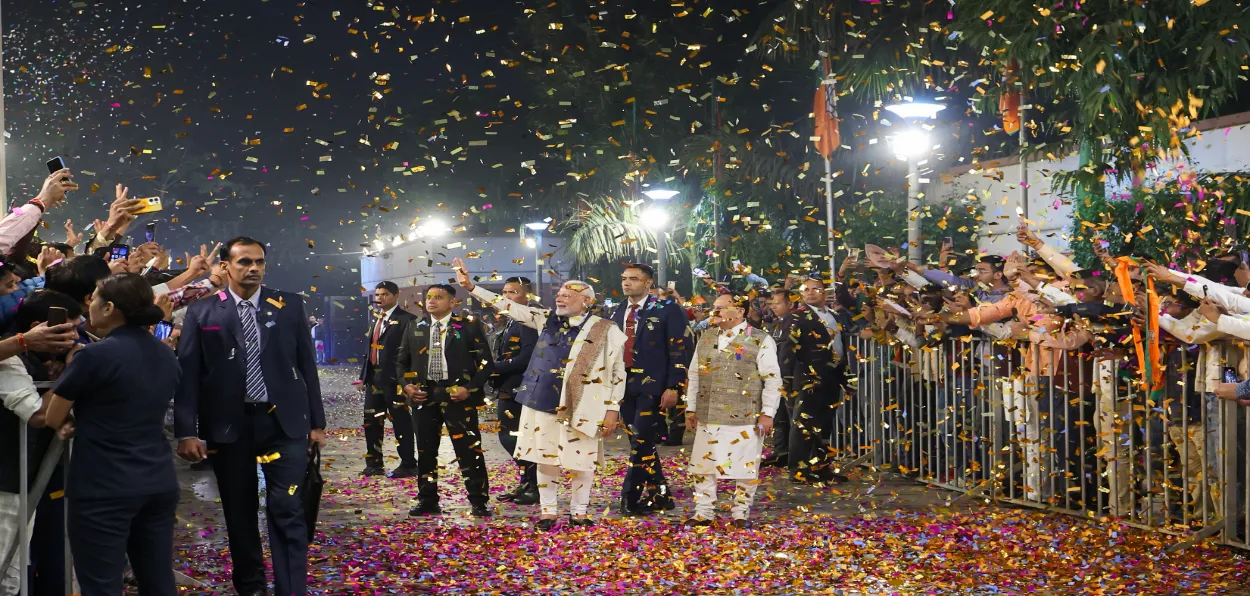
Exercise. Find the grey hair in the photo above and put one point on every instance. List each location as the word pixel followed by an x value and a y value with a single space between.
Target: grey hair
pixel 580 287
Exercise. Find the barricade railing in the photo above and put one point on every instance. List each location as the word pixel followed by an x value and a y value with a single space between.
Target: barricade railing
pixel 1066 430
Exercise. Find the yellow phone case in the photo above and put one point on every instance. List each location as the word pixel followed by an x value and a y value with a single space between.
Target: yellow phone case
pixel 150 205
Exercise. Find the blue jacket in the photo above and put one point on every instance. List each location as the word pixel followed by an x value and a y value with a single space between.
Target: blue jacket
pixel 10 302
pixel 661 351
pixel 212 352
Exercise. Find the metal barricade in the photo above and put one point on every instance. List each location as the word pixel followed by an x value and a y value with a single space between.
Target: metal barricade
pixel 1056 429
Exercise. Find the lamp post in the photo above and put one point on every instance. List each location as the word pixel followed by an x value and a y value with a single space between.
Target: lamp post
pixel 909 145
pixel 656 218
pixel 537 228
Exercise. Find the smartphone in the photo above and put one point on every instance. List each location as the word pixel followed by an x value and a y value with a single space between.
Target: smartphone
pixel 119 251
pixel 1230 375
pixel 57 315
pixel 150 232
pixel 1245 258
pixel 149 205
pixel 56 164
pixel 163 330
pixel 672 285
pixel 950 240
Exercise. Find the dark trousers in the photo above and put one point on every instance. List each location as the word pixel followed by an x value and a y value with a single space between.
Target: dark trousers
pixel 641 413
pixel 674 428
pixel 47 540
pixel 234 464
pixel 811 415
pixel 781 431
pixel 379 407
pixel 104 531
pixel 510 422
pixel 460 418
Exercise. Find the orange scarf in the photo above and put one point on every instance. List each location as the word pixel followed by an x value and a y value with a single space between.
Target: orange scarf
pixel 1152 369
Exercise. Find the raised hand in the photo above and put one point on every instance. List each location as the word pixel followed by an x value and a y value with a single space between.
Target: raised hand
pixel 71 238
pixel 462 274
pixel 47 257
pixel 55 186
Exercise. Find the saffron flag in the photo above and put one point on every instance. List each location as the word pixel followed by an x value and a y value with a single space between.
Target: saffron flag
pixel 1009 101
pixel 827 136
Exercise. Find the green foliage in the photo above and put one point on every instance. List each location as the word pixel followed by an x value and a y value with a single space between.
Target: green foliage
pixel 882 220
pixel 1178 223
pixel 1123 80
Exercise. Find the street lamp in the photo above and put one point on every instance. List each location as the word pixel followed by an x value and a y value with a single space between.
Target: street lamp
pixel 537 228
pixel 910 144
pixel 656 218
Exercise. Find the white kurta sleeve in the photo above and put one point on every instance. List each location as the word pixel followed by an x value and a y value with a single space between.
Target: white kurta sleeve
pixel 524 314
pixel 1055 295
pixel 1228 297
pixel 616 357
pixel 692 380
pixel 770 372
pixel 1193 329
pixel 1234 325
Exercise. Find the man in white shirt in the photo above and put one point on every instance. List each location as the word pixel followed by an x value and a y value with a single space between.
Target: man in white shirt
pixel 733 393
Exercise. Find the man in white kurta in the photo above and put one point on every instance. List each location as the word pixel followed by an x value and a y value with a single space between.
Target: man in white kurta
pixel 733 391
pixel 570 396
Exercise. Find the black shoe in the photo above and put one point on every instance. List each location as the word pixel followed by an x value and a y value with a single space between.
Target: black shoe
pixel 511 495
pixel 663 502
pixel 480 511
pixel 632 509
pixel 673 442
pixel 421 509
pixel 777 461
pixel 201 466
pixel 404 472
pixel 527 496
pixel 373 471
pixel 582 522
pixel 545 525
pixel 741 524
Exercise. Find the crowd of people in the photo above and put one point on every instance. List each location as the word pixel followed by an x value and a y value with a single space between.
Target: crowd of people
pixel 103 338
pixel 764 364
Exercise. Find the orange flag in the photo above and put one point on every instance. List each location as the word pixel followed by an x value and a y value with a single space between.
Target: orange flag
pixel 1149 357
pixel 1009 101
pixel 827 136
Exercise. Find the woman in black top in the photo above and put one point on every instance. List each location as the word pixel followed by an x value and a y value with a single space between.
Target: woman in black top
pixel 122 490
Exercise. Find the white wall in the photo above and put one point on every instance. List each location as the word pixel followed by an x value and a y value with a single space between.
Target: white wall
pixel 1223 146
pixel 423 261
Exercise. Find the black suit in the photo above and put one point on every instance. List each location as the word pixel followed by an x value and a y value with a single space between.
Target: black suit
pixel 383 397
pixel 512 358
pixel 811 372
pixel 212 403
pixel 469 365
pixel 660 355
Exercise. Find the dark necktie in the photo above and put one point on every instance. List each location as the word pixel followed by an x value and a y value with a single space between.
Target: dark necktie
pixel 631 327
pixel 256 391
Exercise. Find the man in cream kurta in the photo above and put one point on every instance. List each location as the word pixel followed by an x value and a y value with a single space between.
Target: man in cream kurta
pixel 733 392
pixel 570 395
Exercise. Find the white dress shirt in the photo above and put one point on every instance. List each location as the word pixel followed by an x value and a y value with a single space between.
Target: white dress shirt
pixel 442 339
pixel 765 364
pixel 18 389
pixel 831 323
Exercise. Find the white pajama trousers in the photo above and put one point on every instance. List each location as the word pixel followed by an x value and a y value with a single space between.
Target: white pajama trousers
pixel 705 496
pixel 549 479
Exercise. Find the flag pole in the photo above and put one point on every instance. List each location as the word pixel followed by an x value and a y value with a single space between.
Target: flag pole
pixel 4 175
pixel 829 219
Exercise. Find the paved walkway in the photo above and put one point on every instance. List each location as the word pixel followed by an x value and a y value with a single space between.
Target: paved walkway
pixel 878 534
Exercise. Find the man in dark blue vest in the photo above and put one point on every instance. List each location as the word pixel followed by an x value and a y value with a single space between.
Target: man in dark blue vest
pixel 656 355
pixel 512 358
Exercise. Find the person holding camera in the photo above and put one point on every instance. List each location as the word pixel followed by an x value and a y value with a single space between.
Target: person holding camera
pixel 122 490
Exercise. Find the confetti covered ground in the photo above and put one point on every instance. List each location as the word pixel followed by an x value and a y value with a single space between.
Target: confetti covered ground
pixel 878 534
